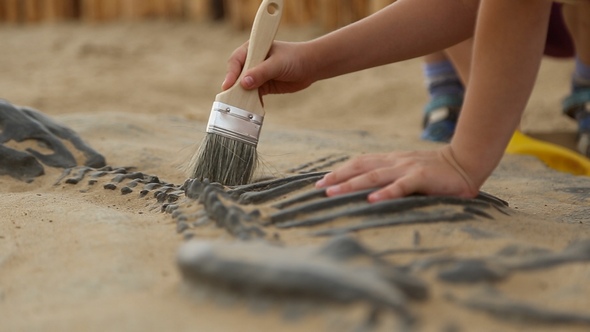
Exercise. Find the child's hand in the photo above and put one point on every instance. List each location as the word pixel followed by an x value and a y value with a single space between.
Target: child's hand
pixel 285 70
pixel 399 174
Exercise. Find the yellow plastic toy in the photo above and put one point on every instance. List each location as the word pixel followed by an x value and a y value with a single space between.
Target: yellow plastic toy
pixel 555 156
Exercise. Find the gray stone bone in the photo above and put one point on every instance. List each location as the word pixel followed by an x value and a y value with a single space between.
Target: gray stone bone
pixel 331 272
pixel 257 267
pixel 397 220
pixel 277 191
pixel 308 207
pixel 500 307
pixel 379 208
pixel 22 123
pixel 258 192
pixel 230 217
pixel 503 264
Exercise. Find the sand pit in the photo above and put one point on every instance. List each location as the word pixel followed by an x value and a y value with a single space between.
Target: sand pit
pixel 80 257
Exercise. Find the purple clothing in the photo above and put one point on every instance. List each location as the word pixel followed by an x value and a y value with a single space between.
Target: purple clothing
pixel 559 42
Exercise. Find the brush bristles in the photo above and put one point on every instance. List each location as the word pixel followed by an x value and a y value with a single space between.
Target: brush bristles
pixel 224 160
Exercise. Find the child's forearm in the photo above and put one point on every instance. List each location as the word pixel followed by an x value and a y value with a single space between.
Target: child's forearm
pixel 509 41
pixel 404 30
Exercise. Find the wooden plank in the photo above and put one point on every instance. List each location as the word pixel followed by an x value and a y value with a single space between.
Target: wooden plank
pixel 250 13
pixel 360 9
pixel 217 9
pixel 242 12
pixel 110 10
pixel 72 9
pixel 129 9
pixel 177 8
pixel 141 8
pixel 89 10
pixel 376 5
pixel 172 9
pixel 31 11
pixel 51 10
pixel 233 12
pixel 2 11
pixel 345 13
pixel 299 12
pixel 159 8
pixel 295 13
pixel 333 14
pixel 197 9
pixel 312 7
pixel 150 8
pixel 12 11
pixel 328 14
pixel 60 10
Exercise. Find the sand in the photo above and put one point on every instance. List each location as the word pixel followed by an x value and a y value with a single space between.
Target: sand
pixel 141 94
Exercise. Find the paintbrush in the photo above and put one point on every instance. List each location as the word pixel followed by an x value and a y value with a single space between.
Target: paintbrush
pixel 228 153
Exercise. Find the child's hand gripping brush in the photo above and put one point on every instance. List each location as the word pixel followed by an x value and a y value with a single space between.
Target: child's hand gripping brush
pixel 228 153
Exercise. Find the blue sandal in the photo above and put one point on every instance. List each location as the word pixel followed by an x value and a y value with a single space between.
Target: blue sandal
pixel 577 107
pixel 440 118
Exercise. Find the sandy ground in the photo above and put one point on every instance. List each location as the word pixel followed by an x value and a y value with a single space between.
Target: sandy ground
pixel 141 94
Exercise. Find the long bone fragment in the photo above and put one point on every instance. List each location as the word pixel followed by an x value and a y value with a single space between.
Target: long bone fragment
pixel 258 192
pixel 303 197
pixel 277 191
pixel 391 206
pixel 497 267
pixel 236 191
pixel 257 267
pixel 318 205
pixel 346 249
pixel 500 307
pixel 403 219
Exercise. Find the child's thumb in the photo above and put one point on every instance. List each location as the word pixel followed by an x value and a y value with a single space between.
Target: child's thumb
pixel 257 76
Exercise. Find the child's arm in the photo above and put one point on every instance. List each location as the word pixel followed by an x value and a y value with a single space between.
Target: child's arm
pixel 404 30
pixel 508 47
pixel 401 31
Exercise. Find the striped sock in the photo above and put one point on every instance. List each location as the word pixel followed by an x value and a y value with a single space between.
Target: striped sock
pixel 442 79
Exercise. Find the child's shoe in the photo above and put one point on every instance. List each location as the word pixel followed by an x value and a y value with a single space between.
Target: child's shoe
pixel 440 117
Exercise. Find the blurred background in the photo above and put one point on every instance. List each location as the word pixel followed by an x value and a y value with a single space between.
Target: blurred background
pixel 329 14
pixel 168 57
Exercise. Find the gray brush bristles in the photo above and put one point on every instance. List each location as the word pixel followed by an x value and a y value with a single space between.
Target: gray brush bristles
pixel 224 160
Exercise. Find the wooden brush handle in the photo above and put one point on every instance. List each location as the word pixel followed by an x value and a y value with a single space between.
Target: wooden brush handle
pixel 264 29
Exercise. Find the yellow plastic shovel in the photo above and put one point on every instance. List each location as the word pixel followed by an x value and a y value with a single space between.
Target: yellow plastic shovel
pixel 555 156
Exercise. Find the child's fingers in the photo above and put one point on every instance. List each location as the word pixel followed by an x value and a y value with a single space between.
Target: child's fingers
pixel 353 168
pixel 397 175
pixel 400 188
pixel 371 179
pixel 257 76
pixel 270 69
pixel 235 63
pixel 228 81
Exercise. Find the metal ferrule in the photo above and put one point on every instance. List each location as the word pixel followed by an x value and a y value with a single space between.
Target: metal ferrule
pixel 234 123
